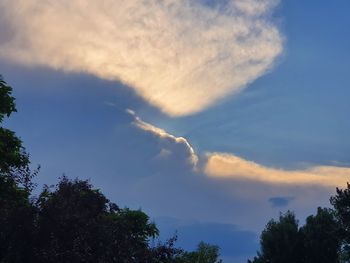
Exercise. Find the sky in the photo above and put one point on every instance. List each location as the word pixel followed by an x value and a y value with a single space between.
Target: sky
pixel 211 116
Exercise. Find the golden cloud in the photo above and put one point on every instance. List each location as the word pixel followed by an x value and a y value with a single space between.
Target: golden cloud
pixel 179 55
pixel 221 165
pixel 162 134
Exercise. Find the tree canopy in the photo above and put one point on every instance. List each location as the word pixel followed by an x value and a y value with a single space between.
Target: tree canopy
pixel 341 204
pixel 205 253
pixel 325 237
pixel 280 240
pixel 7 102
pixel 14 160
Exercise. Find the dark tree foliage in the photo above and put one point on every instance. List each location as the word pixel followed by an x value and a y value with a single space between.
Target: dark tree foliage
pixel 341 204
pixel 280 241
pixel 16 222
pixel 321 243
pixel 7 102
pixel 323 238
pixel 16 211
pixel 205 253
pixel 14 160
pixel 77 223
pixel 73 223
pixel 168 253
pixel 165 253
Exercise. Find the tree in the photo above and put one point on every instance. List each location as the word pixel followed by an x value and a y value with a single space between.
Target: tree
pixel 280 241
pixel 318 241
pixel 13 159
pixel 77 223
pixel 165 253
pixel 321 243
pixel 341 204
pixel 205 253
pixel 16 222
pixel 16 211
pixel 7 105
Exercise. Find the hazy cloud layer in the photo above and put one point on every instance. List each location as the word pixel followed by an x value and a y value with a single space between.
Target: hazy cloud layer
pixel 179 55
pixel 221 165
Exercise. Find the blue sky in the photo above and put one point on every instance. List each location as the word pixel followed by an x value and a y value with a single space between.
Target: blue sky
pixel 270 131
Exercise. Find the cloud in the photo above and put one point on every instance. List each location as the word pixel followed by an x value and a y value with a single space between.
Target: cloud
pixel 179 55
pixel 280 201
pixel 228 166
pixel 221 165
pixel 168 140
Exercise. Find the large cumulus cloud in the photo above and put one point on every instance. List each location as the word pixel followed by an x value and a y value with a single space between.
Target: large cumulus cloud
pixel 179 55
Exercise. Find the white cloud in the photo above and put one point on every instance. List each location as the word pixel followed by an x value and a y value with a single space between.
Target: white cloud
pixel 179 55
pixel 221 165
pixel 167 138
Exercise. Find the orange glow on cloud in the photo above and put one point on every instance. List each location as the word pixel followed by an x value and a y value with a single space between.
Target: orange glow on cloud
pixel 229 166
pixel 181 56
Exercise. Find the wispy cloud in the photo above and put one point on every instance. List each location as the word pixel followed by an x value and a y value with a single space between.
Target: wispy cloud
pixel 231 167
pixel 167 137
pixel 221 165
pixel 179 55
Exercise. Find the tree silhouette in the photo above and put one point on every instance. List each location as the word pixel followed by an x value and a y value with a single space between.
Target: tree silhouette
pixel 280 241
pixel 325 237
pixel 16 211
pixel 341 204
pixel 205 253
pixel 77 223
pixel 13 159
pixel 321 242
